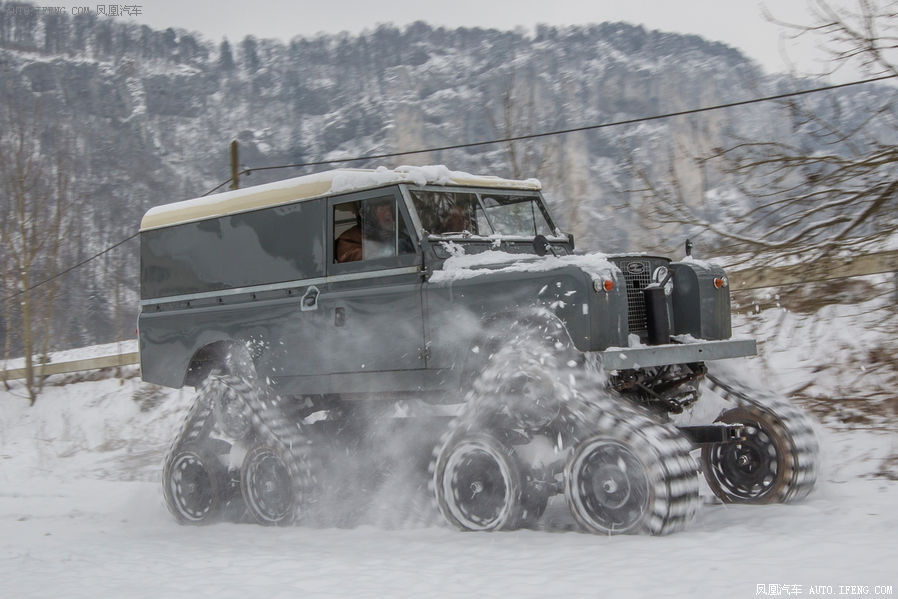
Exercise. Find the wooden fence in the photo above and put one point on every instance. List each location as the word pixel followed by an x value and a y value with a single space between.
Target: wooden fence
pixel 112 361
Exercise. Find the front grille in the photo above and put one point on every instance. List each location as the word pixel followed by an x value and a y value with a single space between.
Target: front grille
pixel 638 274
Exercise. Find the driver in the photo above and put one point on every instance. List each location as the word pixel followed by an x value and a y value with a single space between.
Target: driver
pixel 454 220
pixel 374 236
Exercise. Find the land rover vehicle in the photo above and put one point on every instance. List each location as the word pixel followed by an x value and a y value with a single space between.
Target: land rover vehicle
pixel 291 304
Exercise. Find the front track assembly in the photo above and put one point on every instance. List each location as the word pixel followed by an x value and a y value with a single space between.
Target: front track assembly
pixel 775 461
pixel 619 468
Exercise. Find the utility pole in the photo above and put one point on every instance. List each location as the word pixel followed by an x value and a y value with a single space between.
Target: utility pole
pixel 235 174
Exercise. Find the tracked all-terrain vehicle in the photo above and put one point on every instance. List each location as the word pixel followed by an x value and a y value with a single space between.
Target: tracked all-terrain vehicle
pixel 304 310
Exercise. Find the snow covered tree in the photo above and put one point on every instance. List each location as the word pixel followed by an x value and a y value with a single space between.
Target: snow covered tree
pixel 190 51
pixel 249 48
pixel 225 57
pixel 56 33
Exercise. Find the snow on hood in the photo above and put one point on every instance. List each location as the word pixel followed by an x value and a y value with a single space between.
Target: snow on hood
pixel 461 267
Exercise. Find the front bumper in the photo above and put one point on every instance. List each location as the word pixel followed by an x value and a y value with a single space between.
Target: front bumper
pixel 626 358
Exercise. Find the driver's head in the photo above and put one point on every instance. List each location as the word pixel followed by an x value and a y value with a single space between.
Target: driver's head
pixel 383 215
pixel 455 219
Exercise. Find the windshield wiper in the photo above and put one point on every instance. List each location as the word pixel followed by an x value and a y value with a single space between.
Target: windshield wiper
pixel 464 233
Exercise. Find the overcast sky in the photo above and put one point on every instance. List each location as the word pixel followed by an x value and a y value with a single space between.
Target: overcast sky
pixel 739 23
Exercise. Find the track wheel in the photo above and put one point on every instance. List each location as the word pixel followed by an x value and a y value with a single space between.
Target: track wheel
pixel 477 484
pixel 609 488
pixel 632 477
pixel 270 483
pixel 192 485
pixel 762 468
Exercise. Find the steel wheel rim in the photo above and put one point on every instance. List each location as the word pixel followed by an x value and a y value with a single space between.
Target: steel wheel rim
pixel 269 486
pixel 192 487
pixel 610 486
pixel 478 485
pixel 747 469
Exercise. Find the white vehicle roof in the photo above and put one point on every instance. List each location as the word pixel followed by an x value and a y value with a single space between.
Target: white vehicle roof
pixel 314 186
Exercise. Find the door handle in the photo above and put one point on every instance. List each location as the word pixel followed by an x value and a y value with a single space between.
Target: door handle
pixel 339 316
pixel 309 299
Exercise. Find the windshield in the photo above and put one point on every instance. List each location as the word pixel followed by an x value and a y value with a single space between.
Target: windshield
pixel 449 213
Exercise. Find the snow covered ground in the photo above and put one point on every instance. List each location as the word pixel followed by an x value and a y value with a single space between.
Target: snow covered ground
pixel 81 515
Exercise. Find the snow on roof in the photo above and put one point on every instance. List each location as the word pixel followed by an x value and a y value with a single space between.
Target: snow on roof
pixel 317 185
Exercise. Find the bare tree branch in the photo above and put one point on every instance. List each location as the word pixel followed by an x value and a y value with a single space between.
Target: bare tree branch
pixel 35 211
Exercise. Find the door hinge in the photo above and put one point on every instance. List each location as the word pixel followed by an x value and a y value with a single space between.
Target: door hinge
pixel 424 353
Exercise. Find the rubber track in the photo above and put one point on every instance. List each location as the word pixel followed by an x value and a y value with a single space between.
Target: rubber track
pixel 530 346
pixel 194 430
pixel 196 426
pixel 586 409
pixel 792 423
pixel 271 426
pixel 675 471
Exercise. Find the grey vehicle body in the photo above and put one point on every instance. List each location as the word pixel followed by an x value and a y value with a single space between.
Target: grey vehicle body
pixel 288 304
pixel 257 268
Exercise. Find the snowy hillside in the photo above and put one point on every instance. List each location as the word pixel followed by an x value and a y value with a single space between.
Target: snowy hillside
pixel 81 511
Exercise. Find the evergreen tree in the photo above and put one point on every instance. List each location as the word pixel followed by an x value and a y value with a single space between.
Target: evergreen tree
pixel 188 49
pixel 250 55
pixel 169 43
pixel 225 58
pixel 56 33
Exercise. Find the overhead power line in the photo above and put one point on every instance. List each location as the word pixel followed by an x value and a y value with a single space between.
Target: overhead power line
pixel 488 142
pixel 71 268
pixel 633 121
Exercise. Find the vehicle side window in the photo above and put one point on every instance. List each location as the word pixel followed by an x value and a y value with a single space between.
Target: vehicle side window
pixel 515 215
pixel 369 229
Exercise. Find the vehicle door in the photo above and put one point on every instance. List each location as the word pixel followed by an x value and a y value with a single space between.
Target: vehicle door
pixel 371 300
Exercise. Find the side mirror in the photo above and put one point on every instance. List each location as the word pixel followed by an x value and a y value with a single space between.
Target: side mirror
pixel 540 245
